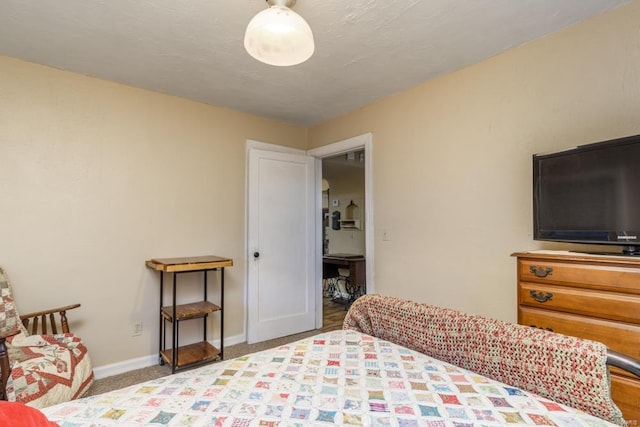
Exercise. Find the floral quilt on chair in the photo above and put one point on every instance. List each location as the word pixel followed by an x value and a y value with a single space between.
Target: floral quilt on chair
pixel 48 369
pixel 45 369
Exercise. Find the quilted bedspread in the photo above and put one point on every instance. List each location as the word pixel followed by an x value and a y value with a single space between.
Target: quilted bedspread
pixel 341 377
pixel 565 369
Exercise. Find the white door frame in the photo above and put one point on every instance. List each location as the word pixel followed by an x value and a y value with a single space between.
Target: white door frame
pixel 364 141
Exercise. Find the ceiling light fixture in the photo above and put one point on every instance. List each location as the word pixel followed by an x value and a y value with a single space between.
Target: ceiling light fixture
pixel 279 36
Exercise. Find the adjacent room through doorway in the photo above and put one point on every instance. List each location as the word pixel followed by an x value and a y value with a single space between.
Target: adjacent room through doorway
pixel 343 236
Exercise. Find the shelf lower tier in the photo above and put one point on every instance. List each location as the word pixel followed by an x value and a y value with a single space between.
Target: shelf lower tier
pixel 193 353
pixel 190 311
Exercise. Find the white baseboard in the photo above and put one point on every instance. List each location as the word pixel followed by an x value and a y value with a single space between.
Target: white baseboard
pixel 145 361
pixel 121 367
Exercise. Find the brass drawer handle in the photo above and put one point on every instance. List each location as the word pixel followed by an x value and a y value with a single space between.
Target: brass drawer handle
pixel 541 296
pixel 540 271
pixel 540 327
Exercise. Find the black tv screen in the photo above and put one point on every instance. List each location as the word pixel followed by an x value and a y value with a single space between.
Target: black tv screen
pixel 589 194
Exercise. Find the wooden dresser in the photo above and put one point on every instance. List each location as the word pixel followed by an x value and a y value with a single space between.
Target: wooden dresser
pixel 589 296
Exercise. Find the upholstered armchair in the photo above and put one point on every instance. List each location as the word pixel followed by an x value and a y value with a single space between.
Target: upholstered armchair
pixel 40 364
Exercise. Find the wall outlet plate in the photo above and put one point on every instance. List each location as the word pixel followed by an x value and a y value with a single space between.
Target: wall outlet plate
pixel 136 329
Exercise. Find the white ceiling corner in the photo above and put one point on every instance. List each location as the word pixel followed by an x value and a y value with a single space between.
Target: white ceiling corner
pixel 365 49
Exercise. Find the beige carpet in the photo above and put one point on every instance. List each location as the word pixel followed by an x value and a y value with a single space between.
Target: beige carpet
pixel 152 372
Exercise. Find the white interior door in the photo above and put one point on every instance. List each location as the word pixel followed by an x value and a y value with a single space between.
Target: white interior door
pixel 281 244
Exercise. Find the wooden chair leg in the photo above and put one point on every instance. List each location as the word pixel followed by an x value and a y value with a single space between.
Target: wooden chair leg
pixel 4 369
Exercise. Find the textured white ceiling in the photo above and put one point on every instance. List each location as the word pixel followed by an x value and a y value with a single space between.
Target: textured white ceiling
pixel 365 49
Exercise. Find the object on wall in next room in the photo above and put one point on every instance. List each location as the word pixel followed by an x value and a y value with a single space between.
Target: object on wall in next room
pixel 351 219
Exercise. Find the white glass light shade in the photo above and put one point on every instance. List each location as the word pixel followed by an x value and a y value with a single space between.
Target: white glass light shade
pixel 279 36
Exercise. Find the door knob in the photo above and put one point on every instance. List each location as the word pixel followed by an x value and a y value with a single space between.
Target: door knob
pixel 256 254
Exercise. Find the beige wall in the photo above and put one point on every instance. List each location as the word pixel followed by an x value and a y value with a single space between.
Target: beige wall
pixel 452 157
pixel 97 177
pixel 346 188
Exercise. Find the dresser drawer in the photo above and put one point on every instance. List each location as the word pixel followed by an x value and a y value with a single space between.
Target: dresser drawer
pixel 618 336
pixel 625 393
pixel 588 296
pixel 594 276
pixel 601 304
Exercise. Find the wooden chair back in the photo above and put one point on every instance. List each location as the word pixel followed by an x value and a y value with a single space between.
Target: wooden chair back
pixel 46 322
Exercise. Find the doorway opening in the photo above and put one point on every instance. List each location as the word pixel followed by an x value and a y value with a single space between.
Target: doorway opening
pixel 343 237
pixel 345 229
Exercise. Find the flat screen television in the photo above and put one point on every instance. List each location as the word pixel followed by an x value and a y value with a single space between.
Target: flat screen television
pixel 589 194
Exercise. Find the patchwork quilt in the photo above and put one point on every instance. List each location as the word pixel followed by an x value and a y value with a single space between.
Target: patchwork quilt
pixel 48 369
pixel 45 369
pixel 565 369
pixel 338 378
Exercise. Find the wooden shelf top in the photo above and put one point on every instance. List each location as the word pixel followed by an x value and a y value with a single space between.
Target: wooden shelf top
pixel 196 263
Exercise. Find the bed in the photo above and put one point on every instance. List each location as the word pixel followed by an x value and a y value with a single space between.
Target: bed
pixel 395 363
